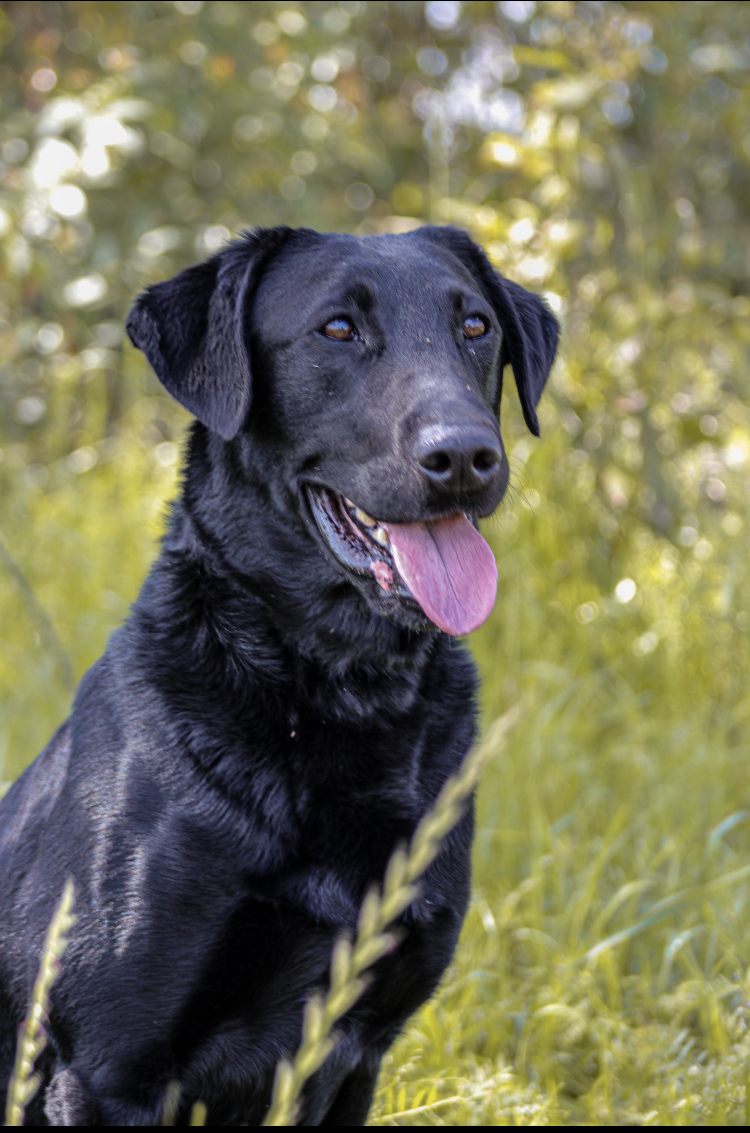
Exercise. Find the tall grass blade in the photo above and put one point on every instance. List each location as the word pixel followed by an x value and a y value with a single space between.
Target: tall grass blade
pixel 667 905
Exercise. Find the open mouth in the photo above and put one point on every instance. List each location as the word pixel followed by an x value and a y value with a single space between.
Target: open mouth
pixel 443 565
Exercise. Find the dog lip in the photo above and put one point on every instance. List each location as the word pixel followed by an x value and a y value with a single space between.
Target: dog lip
pixel 428 516
pixel 361 550
pixel 367 525
pixel 349 540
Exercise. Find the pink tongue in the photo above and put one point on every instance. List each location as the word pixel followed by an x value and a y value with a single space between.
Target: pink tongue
pixel 449 569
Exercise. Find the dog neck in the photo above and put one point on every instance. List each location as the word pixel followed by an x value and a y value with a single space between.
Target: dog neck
pixel 238 596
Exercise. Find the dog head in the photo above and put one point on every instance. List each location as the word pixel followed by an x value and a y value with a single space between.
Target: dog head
pixel 367 373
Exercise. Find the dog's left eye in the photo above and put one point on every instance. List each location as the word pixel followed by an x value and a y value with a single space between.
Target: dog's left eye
pixel 474 326
pixel 341 329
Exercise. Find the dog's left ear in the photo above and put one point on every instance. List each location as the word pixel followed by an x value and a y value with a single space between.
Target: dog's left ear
pixel 192 330
pixel 530 329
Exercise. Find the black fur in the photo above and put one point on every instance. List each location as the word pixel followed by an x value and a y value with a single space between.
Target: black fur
pixel 266 727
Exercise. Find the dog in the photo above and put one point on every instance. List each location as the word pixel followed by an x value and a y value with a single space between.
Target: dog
pixel 288 695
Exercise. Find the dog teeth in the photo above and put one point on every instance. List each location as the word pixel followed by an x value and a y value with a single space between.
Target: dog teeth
pixel 365 520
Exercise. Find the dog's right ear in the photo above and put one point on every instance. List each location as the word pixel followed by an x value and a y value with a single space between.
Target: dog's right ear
pixel 192 330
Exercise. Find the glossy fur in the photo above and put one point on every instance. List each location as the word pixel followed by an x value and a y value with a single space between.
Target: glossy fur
pixel 265 728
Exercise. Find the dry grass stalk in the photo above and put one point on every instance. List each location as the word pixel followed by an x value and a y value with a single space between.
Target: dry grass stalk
pixel 198 1114
pixel 171 1103
pixel 32 1038
pixel 373 940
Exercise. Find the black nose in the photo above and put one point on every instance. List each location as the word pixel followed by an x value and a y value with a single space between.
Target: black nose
pixel 461 458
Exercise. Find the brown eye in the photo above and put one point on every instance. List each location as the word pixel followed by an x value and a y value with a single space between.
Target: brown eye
pixel 339 328
pixel 474 326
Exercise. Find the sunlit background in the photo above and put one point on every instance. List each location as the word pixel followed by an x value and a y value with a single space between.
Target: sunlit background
pixel 600 152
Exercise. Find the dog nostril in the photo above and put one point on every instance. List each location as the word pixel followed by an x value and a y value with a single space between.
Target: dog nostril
pixel 485 460
pixel 438 462
pixel 461 458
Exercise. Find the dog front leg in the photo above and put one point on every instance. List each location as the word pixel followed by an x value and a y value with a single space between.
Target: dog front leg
pixel 352 1103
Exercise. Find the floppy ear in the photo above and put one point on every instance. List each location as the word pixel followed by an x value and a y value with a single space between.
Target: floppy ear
pixel 192 330
pixel 530 329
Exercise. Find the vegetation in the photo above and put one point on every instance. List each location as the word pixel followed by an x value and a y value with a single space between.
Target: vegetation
pixel 32 1037
pixel 599 151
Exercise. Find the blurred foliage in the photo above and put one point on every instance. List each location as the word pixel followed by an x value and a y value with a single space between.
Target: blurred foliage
pixel 600 152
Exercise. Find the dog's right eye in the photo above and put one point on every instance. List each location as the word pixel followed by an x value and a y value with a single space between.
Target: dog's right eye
pixel 341 329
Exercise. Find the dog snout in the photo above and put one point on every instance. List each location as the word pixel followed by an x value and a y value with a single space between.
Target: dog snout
pixel 459 458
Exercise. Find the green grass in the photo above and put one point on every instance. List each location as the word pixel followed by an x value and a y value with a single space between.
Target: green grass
pixel 601 975
pixel 602 971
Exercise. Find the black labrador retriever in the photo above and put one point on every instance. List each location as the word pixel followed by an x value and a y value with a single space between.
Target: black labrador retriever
pixel 287 696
